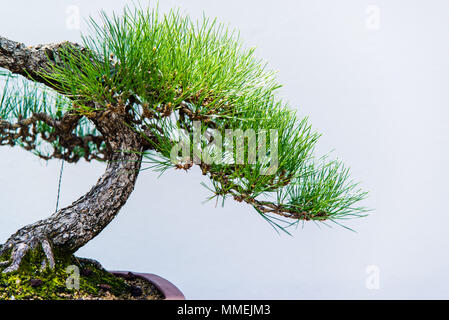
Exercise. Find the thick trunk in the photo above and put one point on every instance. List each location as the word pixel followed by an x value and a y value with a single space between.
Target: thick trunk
pixel 72 227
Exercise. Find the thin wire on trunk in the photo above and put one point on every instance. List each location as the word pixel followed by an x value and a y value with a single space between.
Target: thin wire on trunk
pixel 59 185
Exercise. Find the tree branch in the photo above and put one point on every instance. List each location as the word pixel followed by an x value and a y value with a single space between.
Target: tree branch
pixel 26 133
pixel 30 61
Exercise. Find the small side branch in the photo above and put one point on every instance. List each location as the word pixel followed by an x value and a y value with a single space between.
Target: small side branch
pixel 27 132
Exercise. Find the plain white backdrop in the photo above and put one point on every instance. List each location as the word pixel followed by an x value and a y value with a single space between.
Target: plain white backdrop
pixel 373 77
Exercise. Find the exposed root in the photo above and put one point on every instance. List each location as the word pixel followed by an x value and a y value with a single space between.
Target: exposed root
pixel 48 253
pixel 19 250
pixel 4 263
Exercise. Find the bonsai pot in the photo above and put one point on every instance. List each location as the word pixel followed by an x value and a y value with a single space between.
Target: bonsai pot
pixel 168 289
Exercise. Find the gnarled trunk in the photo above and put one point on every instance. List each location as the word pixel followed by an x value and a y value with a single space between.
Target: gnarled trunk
pixel 72 227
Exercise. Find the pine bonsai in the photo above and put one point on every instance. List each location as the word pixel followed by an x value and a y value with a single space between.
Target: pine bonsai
pixel 145 90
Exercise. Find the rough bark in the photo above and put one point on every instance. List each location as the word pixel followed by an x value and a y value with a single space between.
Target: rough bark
pixel 30 61
pixel 72 227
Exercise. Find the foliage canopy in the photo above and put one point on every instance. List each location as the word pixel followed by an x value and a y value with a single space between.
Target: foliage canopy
pixel 168 71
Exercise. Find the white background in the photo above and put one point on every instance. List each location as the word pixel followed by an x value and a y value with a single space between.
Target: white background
pixel 378 93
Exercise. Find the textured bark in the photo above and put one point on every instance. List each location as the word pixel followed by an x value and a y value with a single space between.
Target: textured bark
pixel 30 61
pixel 72 227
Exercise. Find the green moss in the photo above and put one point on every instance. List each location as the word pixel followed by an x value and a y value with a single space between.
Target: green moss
pixel 22 284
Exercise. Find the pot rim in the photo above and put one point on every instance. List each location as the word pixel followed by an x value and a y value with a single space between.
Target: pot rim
pixel 168 289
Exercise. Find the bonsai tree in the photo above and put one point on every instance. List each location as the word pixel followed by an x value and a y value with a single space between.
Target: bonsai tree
pixel 161 91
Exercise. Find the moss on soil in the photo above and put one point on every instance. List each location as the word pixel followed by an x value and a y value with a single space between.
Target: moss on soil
pixel 30 282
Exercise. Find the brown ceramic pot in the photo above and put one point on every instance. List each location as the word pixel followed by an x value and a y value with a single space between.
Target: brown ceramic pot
pixel 168 289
